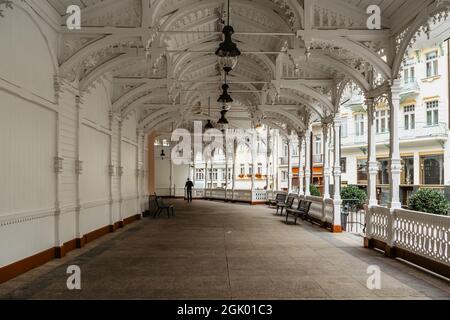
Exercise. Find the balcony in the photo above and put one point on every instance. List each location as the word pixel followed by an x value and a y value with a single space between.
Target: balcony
pixel 318 158
pixel 410 86
pixel 421 131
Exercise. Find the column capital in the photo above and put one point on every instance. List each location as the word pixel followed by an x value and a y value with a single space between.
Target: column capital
pixel 395 86
pixel 337 120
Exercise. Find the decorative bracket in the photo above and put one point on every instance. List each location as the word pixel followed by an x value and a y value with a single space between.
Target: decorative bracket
pixel 78 167
pixel 58 164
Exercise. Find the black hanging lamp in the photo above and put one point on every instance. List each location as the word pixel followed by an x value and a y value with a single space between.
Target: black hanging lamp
pixel 228 50
pixel 223 120
pixel 225 97
pixel 209 124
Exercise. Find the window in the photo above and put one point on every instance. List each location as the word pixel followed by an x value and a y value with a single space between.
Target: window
pixel 359 125
pixel 242 169
pixel 383 172
pixel 250 169
pixel 285 149
pixel 409 75
pixel 318 145
pixel 223 174
pixel 344 128
pixel 382 121
pixel 432 168
pixel 284 175
pixel 200 174
pixel 295 150
pixel 432 113
pixel 407 175
pixel 215 174
pixel 344 165
pixel 260 168
pixel 432 64
pixel 362 171
pixel 230 174
pixel 409 117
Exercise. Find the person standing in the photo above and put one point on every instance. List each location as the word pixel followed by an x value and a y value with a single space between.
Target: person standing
pixel 188 187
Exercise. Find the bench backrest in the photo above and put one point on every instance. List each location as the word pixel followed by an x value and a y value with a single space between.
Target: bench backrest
pixel 306 206
pixel 159 202
pixel 290 201
pixel 281 197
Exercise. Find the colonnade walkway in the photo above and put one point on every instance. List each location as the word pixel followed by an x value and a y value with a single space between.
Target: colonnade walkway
pixel 215 250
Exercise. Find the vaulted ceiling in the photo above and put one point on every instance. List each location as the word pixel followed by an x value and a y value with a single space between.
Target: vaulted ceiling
pixel 297 55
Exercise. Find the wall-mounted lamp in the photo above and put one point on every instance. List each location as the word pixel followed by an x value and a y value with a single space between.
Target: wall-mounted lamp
pixel 162 155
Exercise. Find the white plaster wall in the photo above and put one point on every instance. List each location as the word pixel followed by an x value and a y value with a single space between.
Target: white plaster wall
pixel 38 206
pixel 25 54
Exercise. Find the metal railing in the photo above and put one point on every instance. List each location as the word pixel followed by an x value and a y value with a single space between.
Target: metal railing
pixel 353 216
pixel 318 158
pixel 421 130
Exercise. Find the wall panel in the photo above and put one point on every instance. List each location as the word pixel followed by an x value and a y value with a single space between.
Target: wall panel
pixel 28 147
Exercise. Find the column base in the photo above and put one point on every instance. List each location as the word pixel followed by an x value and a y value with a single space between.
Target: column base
pixel 80 242
pixel 336 229
pixel 389 252
pixel 368 244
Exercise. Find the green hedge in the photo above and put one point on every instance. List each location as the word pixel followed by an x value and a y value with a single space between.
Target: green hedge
pixel 353 196
pixel 315 192
pixel 429 201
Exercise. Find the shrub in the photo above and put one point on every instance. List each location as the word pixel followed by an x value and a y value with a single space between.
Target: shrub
pixel 353 196
pixel 429 201
pixel 314 190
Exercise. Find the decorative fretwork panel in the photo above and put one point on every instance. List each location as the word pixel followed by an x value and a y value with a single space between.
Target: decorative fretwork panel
pixel 377 221
pixel 424 234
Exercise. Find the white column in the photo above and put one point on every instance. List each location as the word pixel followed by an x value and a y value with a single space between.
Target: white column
pixel 212 173
pixel 194 168
pixel 206 175
pixel 396 162
pixel 301 173
pixel 58 167
pixel 337 226
pixel 253 169
pixel 276 162
pixel 120 173
pixel 268 160
pixel 139 134
pixel 171 194
pixel 110 173
pixel 226 167
pixel 235 146
pixel 372 164
pixel 78 235
pixel 308 162
pixel 326 163
pixel 289 145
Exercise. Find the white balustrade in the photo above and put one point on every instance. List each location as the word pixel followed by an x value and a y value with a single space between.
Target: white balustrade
pixel 419 233
pixel 316 207
pixel 377 223
pixel 329 210
pixel 425 234
pixel 259 196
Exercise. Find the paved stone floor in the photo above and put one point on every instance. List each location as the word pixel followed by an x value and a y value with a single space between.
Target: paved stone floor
pixel 213 250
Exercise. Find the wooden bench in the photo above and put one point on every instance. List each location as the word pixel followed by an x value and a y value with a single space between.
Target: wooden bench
pixel 287 205
pixel 302 211
pixel 280 198
pixel 161 206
